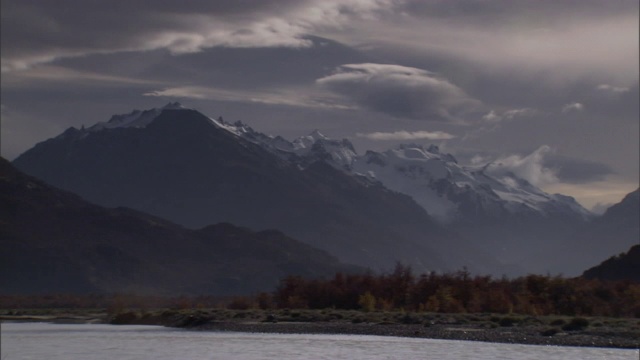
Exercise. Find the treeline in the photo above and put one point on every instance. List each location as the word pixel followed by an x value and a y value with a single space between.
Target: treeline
pixel 462 293
pixel 458 292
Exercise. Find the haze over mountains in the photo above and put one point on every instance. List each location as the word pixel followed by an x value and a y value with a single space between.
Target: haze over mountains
pixel 412 204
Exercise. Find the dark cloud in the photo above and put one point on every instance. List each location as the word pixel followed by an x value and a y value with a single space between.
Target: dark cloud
pixel 96 25
pixel 517 10
pixel 577 171
pixel 36 32
pixel 400 91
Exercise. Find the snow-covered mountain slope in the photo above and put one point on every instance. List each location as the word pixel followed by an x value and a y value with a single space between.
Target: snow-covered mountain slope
pixel 506 215
pixel 316 146
pixel 136 119
pixel 303 150
pixel 449 191
pixel 415 171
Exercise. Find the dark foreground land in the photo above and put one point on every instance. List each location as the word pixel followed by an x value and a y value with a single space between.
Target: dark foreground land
pixel 540 330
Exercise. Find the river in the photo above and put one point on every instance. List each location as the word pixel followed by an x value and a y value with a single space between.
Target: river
pixel 22 341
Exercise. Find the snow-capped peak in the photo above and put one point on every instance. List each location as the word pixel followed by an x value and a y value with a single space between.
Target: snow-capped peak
pixel 421 152
pixel 174 106
pixel 237 129
pixel 136 118
pixel 274 144
pixel 316 146
pixel 306 142
pixel 303 150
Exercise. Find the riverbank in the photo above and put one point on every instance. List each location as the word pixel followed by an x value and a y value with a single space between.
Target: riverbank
pixel 539 330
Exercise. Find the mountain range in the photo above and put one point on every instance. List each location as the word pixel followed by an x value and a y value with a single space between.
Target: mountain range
pixel 412 204
pixel 55 242
pixel 180 165
pixel 527 229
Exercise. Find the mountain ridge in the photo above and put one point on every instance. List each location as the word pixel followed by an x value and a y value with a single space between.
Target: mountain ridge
pixel 55 242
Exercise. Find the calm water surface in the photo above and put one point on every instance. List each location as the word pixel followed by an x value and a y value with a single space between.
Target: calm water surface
pixel 22 341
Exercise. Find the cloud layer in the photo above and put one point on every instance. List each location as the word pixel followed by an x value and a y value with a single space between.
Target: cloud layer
pixel 573 107
pixel 407 135
pixel 288 97
pixel 544 41
pixel 497 116
pixel 400 91
pixel 35 32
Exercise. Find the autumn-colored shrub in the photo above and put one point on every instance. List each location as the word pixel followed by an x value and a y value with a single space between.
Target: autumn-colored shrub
pixel 460 292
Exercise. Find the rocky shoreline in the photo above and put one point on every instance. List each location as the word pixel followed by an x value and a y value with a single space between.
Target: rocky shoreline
pixel 550 330
pixel 512 335
pixel 541 330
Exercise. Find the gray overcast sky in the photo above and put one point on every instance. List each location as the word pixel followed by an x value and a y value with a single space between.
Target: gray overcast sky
pixel 548 87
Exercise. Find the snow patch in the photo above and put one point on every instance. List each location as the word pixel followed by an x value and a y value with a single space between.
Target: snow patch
pixel 135 119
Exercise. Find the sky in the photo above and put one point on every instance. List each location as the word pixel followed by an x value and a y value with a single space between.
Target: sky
pixel 548 88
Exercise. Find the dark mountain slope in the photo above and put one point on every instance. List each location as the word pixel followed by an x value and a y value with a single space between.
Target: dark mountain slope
pixel 626 213
pixel 187 169
pixel 625 266
pixel 54 241
pixel 614 232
